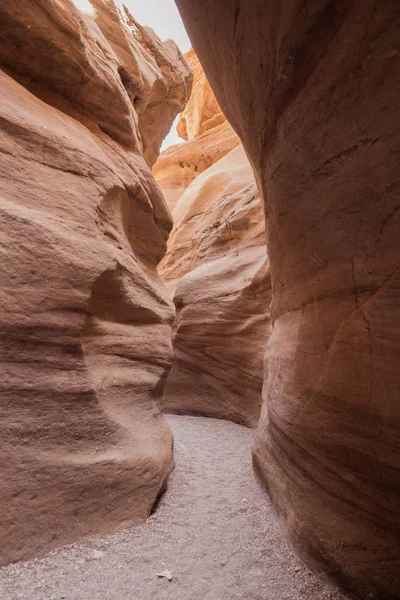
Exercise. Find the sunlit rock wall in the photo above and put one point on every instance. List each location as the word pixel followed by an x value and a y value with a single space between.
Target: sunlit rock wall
pixel 217 262
pixel 208 137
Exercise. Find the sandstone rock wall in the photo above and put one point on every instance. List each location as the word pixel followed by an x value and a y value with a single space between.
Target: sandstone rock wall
pixel 202 113
pixel 208 137
pixel 216 257
pixel 85 321
pixel 313 91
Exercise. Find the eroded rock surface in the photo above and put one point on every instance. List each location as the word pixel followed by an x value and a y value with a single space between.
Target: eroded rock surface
pixel 85 321
pixel 313 91
pixel 217 259
pixel 208 137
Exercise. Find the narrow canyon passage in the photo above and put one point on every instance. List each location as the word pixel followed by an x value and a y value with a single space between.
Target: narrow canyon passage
pixel 248 272
pixel 213 530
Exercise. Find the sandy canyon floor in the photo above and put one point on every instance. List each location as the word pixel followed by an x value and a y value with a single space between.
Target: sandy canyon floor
pixel 214 530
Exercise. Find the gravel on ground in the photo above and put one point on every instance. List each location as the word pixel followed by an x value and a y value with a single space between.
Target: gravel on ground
pixel 214 532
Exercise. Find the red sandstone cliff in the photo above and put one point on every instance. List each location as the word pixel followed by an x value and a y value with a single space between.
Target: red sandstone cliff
pixel 216 260
pixel 216 257
pixel 85 321
pixel 313 91
pixel 208 137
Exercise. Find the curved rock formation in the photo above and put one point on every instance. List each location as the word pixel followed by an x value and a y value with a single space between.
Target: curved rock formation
pixel 313 91
pixel 208 137
pixel 85 321
pixel 216 257
pixel 202 113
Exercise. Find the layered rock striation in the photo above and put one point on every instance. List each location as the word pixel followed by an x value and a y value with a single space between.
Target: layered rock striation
pixel 217 262
pixel 208 137
pixel 85 322
pixel 216 266
pixel 313 92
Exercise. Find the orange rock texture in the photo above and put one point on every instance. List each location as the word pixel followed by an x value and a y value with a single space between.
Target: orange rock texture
pixel 217 262
pixel 86 99
pixel 313 91
pixel 208 137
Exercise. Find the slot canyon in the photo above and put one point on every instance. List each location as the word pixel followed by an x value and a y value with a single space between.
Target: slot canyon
pixel 200 341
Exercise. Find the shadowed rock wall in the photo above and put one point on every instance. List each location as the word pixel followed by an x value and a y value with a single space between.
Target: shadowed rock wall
pixel 312 89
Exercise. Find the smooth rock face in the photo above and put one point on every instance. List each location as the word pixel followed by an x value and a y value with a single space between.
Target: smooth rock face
pixel 85 321
pixel 217 259
pixel 208 137
pixel 313 92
